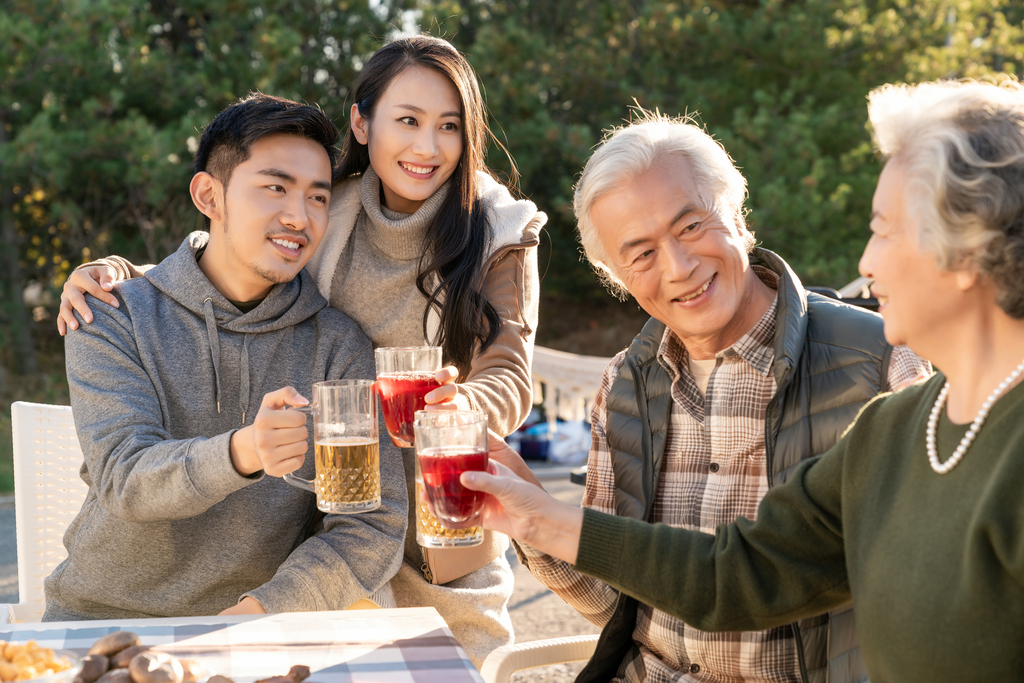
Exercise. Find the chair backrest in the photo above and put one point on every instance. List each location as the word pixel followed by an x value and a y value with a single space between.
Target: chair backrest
pixel 503 662
pixel 48 494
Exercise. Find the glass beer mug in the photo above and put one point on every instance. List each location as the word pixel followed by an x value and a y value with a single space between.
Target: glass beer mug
pixel 345 446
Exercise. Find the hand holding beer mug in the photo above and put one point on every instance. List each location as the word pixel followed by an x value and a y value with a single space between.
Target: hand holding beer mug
pixel 346 447
pixel 448 444
pixel 405 375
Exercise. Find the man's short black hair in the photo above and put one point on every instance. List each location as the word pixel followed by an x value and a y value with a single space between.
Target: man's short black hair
pixel 227 140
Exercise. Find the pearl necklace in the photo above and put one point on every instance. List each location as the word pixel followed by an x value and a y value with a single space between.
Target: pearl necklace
pixel 933 420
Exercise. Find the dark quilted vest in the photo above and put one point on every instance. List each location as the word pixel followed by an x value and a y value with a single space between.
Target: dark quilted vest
pixel 830 359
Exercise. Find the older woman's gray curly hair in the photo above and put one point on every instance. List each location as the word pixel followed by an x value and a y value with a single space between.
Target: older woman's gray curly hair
pixel 630 151
pixel 961 145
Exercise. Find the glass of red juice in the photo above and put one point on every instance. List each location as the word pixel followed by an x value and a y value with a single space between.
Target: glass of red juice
pixel 449 443
pixel 405 375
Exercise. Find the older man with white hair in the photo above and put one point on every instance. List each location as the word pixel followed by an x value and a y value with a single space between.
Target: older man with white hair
pixel 739 375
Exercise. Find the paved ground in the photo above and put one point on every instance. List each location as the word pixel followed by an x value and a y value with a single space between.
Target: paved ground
pixel 536 612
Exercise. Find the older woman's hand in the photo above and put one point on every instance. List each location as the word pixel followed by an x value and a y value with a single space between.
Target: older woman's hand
pixel 501 452
pixel 526 512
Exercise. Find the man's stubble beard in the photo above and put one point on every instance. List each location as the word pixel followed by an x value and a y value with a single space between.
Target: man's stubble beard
pixel 267 275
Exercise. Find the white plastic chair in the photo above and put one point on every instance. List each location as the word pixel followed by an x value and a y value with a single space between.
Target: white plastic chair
pixel 48 493
pixel 503 662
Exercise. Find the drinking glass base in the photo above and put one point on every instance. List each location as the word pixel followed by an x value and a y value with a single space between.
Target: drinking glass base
pixel 462 541
pixel 349 508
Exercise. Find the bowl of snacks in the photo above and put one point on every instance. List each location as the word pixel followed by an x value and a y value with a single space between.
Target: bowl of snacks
pixel 33 662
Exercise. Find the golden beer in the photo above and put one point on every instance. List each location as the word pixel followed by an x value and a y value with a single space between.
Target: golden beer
pixel 429 531
pixel 347 474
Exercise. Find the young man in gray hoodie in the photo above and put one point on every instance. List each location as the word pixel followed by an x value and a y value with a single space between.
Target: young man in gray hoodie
pixel 180 393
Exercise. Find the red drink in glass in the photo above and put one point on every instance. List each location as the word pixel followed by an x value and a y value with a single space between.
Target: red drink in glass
pixel 453 503
pixel 401 395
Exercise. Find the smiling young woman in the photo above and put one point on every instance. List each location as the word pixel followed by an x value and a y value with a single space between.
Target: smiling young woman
pixel 415 139
pixel 423 245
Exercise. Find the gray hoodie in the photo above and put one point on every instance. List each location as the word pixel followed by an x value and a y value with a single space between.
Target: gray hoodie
pixel 169 528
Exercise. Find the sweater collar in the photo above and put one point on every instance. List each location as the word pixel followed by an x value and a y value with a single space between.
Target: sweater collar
pixel 180 278
pixel 398 235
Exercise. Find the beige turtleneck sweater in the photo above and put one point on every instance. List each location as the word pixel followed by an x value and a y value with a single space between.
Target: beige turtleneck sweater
pixel 366 266
pixel 380 267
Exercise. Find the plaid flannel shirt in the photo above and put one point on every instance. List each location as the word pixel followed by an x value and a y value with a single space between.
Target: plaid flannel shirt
pixel 713 471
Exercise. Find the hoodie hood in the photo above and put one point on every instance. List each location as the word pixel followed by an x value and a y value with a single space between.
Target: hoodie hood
pixel 179 277
pixel 286 305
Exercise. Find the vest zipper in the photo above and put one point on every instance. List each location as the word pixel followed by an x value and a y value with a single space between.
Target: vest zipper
pixel 769 457
pixel 770 435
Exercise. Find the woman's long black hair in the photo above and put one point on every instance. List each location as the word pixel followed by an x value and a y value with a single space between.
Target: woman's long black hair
pixel 456 242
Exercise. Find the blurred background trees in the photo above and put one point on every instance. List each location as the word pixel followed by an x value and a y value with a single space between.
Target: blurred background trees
pixel 101 105
pixel 782 84
pixel 102 101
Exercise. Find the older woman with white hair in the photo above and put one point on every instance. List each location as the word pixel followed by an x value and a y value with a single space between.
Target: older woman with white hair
pixel 916 513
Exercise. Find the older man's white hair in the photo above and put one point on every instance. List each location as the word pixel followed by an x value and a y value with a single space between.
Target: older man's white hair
pixel 630 151
pixel 961 146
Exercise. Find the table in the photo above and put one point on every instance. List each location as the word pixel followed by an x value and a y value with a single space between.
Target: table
pixel 412 645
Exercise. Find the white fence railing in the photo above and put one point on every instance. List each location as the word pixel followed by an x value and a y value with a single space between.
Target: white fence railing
pixel 566 383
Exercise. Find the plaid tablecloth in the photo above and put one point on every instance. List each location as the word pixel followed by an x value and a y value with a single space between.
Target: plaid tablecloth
pixel 358 646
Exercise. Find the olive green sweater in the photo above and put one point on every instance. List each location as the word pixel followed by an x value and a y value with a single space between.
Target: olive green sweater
pixel 934 563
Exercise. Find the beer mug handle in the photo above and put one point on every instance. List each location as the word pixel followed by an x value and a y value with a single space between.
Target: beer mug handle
pixel 299 482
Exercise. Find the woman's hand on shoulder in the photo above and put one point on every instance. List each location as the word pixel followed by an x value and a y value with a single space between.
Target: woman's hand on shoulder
pixel 96 280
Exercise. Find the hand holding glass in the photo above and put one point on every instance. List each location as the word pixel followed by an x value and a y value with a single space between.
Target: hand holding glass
pixel 346 447
pixel 448 444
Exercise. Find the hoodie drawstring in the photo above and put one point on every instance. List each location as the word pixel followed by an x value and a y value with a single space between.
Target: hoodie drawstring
pixel 211 333
pixel 244 379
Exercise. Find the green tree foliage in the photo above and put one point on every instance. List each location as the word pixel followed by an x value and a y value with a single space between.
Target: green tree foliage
pixel 102 102
pixel 781 84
